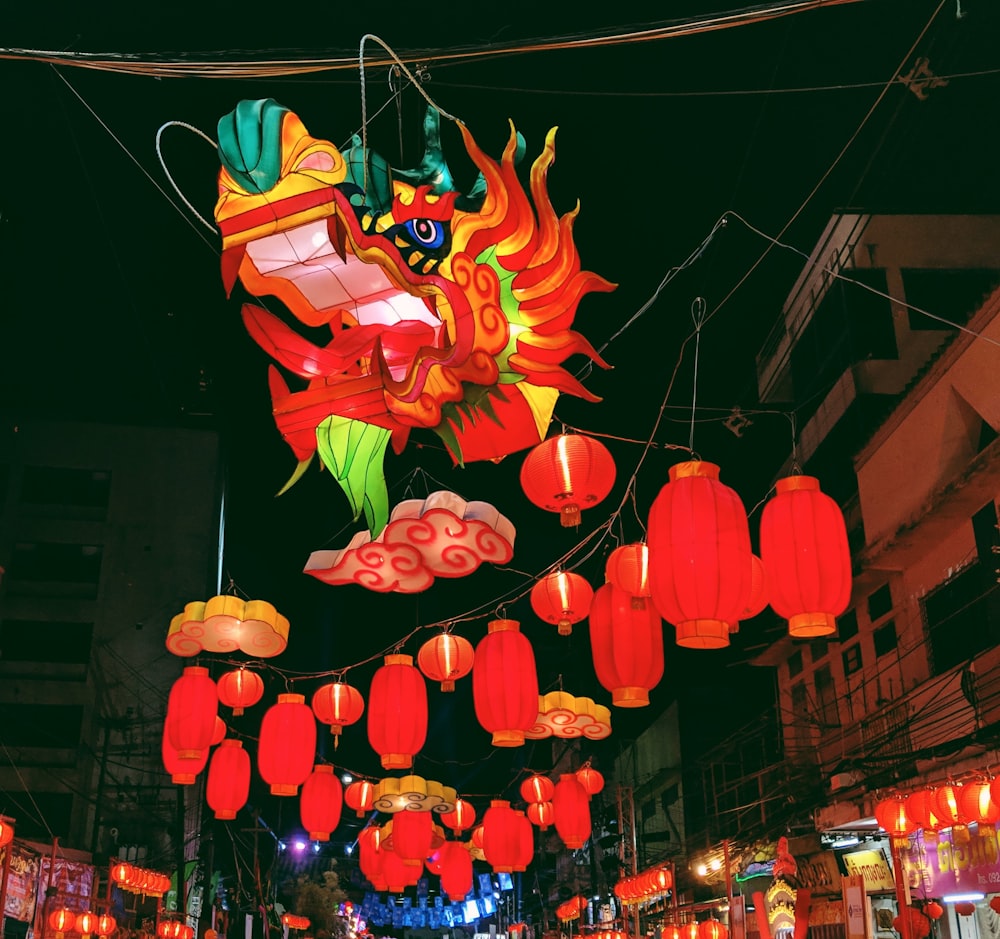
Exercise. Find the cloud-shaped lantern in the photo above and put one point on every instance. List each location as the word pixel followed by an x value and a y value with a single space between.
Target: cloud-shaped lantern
pixel 413 794
pixel 228 624
pixel 562 715
pixel 440 536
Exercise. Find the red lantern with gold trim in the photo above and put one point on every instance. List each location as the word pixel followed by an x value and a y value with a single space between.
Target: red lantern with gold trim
pixel 86 923
pixel 627 646
pixel 627 568
pixel 537 788
pixel 370 852
pixel 182 772
pixel 287 744
pixel 360 796
pixel 6 831
pixel 699 555
pixel 192 708
pixel 397 712
pixel 567 474
pixel 460 818
pixel 920 809
pixel 456 870
pixel 412 834
pixel 339 705
pixel 934 909
pixel 562 598
pixel 62 921
pixel 505 683
pixel 507 838
pixel 446 658
pixel 321 802
pixel 541 814
pixel 106 925
pixel 892 816
pixel 591 780
pixel 228 786
pixel 240 689
pixel 571 807
pixel 712 929
pixel 803 544
pixel 978 805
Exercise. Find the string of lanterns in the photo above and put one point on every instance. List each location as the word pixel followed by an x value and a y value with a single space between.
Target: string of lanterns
pixel 139 880
pixel 932 808
pixel 645 886
pixel 87 923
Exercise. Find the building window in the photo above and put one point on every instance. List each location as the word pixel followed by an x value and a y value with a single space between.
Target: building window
pixel 885 638
pixel 41 725
pixel 648 809
pixel 880 603
pixel 795 663
pixel 818 648
pixel 847 625
pixel 826 699
pixel 54 569
pixel 851 658
pixel 24 640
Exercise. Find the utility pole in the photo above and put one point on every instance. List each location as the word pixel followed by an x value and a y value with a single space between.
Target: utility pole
pixel 627 850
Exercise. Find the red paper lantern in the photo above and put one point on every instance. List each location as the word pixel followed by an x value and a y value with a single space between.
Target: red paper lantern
pixel 106 924
pixel 6 832
pixel 228 785
pixel 803 544
pixel 541 814
pixel 412 834
pixel 978 805
pixel 446 658
pixel 337 704
pixel 627 646
pixel 699 555
pixel 505 683
pixel 691 930
pixel 670 931
pixel 397 712
pixel 537 788
pixel 995 904
pixel 182 772
pixel 477 837
pixel 571 806
pixel 758 589
pixel 965 908
pixel 121 872
pixel 892 816
pixel 360 796
pixel 947 805
pixel 562 598
pixel 287 744
pixel 507 839
pixel 398 874
pixel 62 920
pixel 86 922
pixel 627 568
pixel 370 852
pixel 165 929
pixel 712 929
pixel 456 871
pixel 567 474
pixel 461 817
pixel 934 909
pixel 921 811
pixel 191 711
pixel 219 734
pixel 240 689
pixel 920 925
pixel 591 780
pixel 321 802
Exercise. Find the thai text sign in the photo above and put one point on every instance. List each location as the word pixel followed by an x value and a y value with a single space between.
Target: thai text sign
pixel 22 882
pixel 873 867
pixel 944 864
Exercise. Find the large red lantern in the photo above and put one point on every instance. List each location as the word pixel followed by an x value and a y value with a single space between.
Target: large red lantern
pixel 228 785
pixel 240 689
pixel 507 838
pixel 571 807
pixel 567 474
pixel 398 874
pixel 978 805
pixel 803 544
pixel 182 772
pixel 192 708
pixel 591 780
pixel 562 598
pixel 106 925
pixel 337 704
pixel 627 646
pixel 892 816
pixel 446 658
pixel 397 712
pixel 287 744
pixel 627 568
pixel 456 870
pixel 412 835
pixel 505 683
pixel 700 563
pixel 537 788
pixel 370 852
pixel 360 796
pixel 321 802
pixel 461 817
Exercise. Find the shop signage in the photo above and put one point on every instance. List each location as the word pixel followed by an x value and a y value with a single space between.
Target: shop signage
pixel 22 882
pixel 855 907
pixel 819 873
pixel 873 867
pixel 944 864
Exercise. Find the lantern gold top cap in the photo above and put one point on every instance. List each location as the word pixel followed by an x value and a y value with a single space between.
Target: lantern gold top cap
pixel 502 625
pixel 694 468
pixel 793 483
pixel 499 803
pixel 291 698
pixel 230 742
pixel 323 768
pixel 195 670
pixel 399 658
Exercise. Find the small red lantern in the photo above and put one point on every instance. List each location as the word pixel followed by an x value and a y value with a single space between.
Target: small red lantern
pixel 165 929
pixel 6 831
pixel 191 711
pixel 461 817
pixel 287 744
pixel 670 931
pixel 228 786
pixel 121 872
pixel 219 734
pixel 758 591
pixel 106 925
pixel 591 780
pixel 477 837
pixel 712 929
pixel 182 772
pixel 699 555
pixel 567 474
pixel 627 646
pixel 456 870
pixel 338 704
pixel 86 922
pixel 691 930
pixel 562 598
pixel 965 908
pixel 397 712
pixel 803 544
pixel 62 921
pixel 978 805
pixel 919 924
pixel 360 796
pixel 446 658
pixel 240 689
pixel 892 816
pixel 537 788
pixel 947 805
pixel 541 814
pixel 321 803
pixel 627 568
pixel 995 904
pixel 934 909
pixel 920 809
pixel 505 683
pixel 571 806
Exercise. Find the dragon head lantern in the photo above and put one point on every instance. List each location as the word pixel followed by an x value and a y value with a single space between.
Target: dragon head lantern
pixel 447 311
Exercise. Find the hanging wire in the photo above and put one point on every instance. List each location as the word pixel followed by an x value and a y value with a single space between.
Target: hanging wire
pixel 698 309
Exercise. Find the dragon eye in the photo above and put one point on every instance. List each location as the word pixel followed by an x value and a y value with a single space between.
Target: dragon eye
pixel 426 232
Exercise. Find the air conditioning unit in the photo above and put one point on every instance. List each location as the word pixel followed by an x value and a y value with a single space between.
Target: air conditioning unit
pixel 841 781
